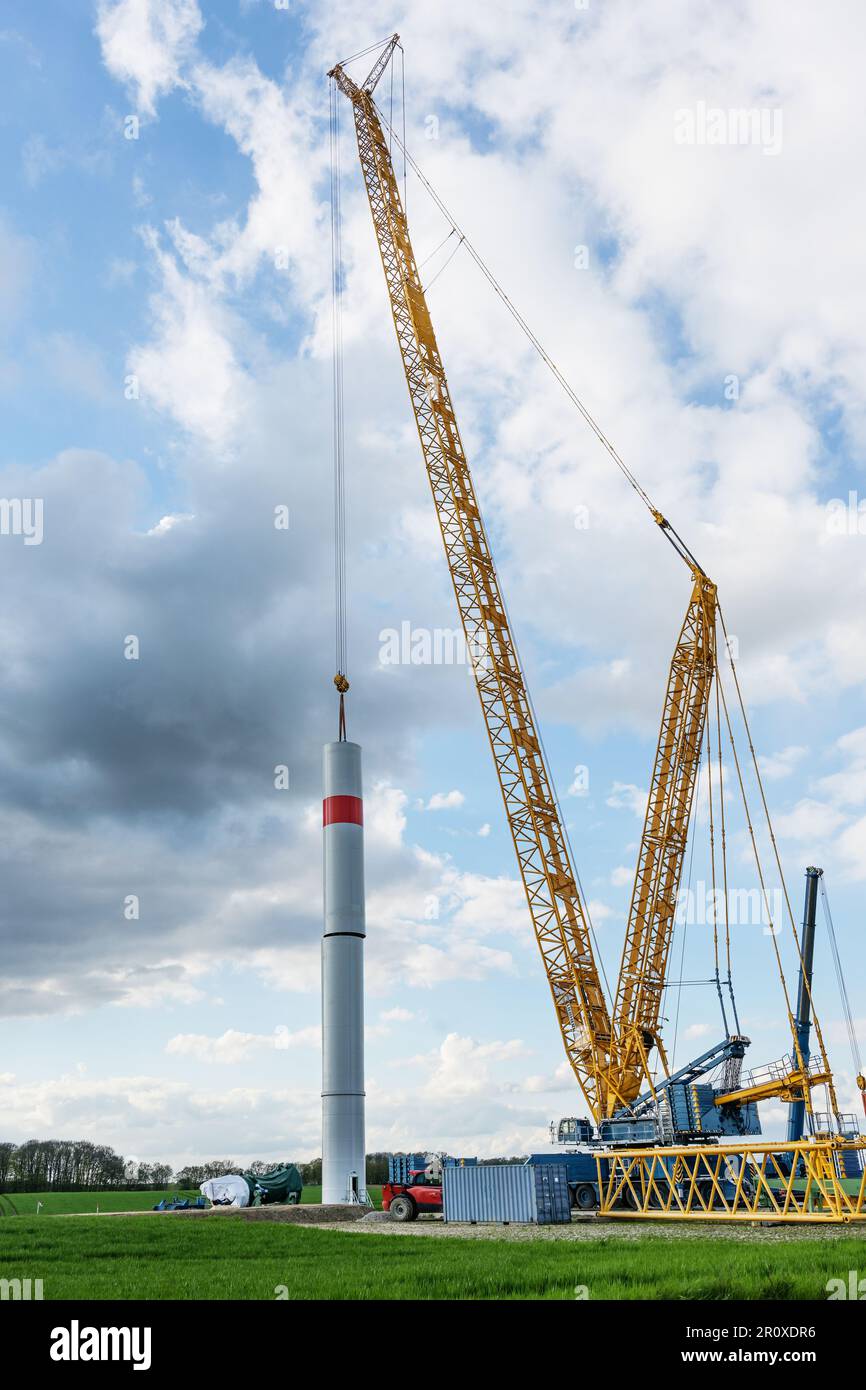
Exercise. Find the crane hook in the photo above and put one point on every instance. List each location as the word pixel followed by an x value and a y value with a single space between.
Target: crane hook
pixel 342 685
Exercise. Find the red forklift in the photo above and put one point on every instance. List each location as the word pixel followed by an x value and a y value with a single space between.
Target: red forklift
pixel 414 1186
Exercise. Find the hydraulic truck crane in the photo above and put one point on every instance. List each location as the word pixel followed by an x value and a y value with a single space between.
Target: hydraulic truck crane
pixel 656 1142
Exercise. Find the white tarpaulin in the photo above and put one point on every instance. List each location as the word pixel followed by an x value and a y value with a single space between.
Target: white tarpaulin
pixel 229 1189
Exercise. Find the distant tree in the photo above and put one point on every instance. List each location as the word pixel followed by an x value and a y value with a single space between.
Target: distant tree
pixel 220 1166
pixel 60 1165
pixel 191 1176
pixel 311 1173
pixel 7 1164
pixel 160 1175
pixel 377 1168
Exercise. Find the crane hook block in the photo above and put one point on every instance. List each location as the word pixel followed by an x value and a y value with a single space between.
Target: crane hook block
pixel 341 683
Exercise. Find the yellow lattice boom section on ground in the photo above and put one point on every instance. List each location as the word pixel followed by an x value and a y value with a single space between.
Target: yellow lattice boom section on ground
pixel 765 1182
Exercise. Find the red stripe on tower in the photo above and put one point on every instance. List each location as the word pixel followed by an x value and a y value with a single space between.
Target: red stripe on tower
pixel 342 810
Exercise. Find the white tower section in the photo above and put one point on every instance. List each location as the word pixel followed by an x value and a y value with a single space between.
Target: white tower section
pixel 343 1139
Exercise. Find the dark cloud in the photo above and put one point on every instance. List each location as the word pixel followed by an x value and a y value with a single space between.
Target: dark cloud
pixel 155 777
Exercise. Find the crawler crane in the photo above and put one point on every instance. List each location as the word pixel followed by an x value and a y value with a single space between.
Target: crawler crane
pixel 655 1138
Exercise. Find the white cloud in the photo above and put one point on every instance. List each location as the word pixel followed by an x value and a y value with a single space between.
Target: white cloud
pixel 233 1046
pixel 169 522
pixel 276 128
pixel 698 1030
pixel 382 1028
pixel 847 787
pixel 827 823
pixel 430 965
pixel 463 1067
pixel 852 848
pixel 778 765
pixel 599 911
pixel 486 905
pixel 159 1117
pixel 625 796
pixel 445 801
pixel 145 44
pixel 621 875
pixel 140 195
pixel 385 814
pixel 810 821
pixel 396 1015
pixel 191 368
pixel 461 1097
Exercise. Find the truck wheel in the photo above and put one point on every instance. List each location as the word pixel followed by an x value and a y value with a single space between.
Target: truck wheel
pixel 585 1198
pixel 402 1209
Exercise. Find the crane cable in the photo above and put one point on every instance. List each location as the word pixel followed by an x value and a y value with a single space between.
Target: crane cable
pixel 843 990
pixel 710 801
pixel 445 263
pixel 778 861
pixel 673 537
pixel 680 982
pixel 340 680
pixel 723 826
pixel 772 929
pixel 362 53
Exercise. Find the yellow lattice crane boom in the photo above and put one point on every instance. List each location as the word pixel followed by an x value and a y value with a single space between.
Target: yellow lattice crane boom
pixel 640 987
pixel 558 914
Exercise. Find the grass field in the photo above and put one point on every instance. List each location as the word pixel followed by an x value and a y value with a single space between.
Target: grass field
pixel 65 1203
pixel 179 1257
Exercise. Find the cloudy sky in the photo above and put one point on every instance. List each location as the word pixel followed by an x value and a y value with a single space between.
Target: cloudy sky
pixel 165 370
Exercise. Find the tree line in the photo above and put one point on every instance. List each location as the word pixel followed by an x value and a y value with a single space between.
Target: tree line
pixel 73 1165
pixel 77 1165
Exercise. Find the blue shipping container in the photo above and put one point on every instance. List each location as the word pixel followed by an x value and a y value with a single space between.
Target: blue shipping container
pixel 527 1193
pixel 579 1167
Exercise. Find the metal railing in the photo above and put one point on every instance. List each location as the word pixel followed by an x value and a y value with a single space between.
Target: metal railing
pixel 779 1070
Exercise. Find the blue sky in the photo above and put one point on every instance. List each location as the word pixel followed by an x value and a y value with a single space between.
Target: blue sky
pixel 193 260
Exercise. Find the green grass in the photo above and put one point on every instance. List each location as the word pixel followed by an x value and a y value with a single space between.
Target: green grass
pixel 179 1257
pixel 66 1203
